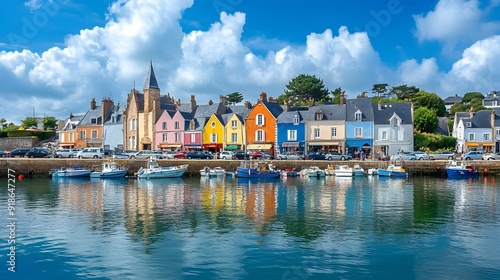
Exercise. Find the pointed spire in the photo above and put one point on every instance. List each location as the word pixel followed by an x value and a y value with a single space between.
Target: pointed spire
pixel 151 78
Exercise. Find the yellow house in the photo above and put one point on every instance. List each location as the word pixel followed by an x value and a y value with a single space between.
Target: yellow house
pixel 213 134
pixel 235 137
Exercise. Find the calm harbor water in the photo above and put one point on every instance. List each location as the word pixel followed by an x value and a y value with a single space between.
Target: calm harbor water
pixel 192 228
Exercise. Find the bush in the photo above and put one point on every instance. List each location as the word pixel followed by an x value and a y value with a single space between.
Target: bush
pixel 434 142
pixel 42 135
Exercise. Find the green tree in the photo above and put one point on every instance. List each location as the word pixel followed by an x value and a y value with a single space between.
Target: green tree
pixel 403 92
pixel 234 98
pixel 3 122
pixel 425 120
pixel 476 104
pixel 336 95
pixel 430 101
pixel 29 122
pixel 380 89
pixel 305 87
pixel 49 123
pixel 472 95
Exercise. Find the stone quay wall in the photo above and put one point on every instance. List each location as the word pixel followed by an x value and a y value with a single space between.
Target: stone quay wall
pixel 10 143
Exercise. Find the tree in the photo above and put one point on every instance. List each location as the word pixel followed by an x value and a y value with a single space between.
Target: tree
pixel 29 122
pixel 336 95
pixel 3 122
pixel 475 104
pixel 430 101
pixel 305 87
pixel 472 95
pixel 49 123
pixel 234 98
pixel 403 92
pixel 425 120
pixel 379 89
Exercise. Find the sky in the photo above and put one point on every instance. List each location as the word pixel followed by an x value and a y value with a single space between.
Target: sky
pixel 56 55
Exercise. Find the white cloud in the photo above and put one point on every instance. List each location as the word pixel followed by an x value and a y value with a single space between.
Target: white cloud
pixel 455 22
pixel 424 75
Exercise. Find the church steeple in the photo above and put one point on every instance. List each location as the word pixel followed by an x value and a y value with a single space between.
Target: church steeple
pixel 151 82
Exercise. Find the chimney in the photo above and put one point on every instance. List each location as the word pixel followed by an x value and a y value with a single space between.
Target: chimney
pixel 92 104
pixel 471 112
pixel 107 106
pixel 223 99
pixel 286 106
pixel 71 115
pixel 192 103
pixel 342 98
pixel 310 103
pixel 210 102
pixel 248 105
pixel 178 103
pixel 379 105
pixel 263 97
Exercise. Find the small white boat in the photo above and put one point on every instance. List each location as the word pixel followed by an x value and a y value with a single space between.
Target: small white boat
pixel 315 171
pixel 154 170
pixel 372 171
pixel 110 170
pixel 357 170
pixel 71 172
pixel 213 172
pixel 343 171
pixel 330 170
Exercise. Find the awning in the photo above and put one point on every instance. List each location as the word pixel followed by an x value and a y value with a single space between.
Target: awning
pixel 487 144
pixel 259 146
pixel 290 144
pixel 212 145
pixel 170 145
pixel 231 147
pixel 323 143
pixel 469 144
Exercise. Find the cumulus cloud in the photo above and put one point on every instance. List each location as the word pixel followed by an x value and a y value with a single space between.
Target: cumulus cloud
pixel 455 22
pixel 424 75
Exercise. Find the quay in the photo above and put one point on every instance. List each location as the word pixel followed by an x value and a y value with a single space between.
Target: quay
pixel 40 167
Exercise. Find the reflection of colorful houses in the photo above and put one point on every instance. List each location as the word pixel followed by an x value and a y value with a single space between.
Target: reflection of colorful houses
pixel 221 198
pixel 260 205
pixel 261 125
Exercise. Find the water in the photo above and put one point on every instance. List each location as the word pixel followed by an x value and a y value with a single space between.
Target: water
pixel 333 228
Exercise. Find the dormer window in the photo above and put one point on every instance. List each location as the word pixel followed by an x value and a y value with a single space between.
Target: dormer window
pixel 296 119
pixel 318 116
pixel 93 120
pixel 358 116
pixel 468 124
pixel 394 122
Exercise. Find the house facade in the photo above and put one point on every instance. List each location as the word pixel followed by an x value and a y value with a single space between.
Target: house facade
pixel 291 130
pixel 235 136
pixel 69 133
pixel 113 129
pixel 359 125
pixel 325 128
pixel 90 132
pixel 213 133
pixel 475 131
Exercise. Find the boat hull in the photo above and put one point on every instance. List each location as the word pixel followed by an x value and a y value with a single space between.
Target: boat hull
pixel 461 173
pixel 388 173
pixel 162 172
pixel 109 174
pixel 72 173
pixel 256 173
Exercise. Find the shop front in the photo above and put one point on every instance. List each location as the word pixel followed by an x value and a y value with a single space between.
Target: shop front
pixel 170 147
pixel 286 147
pixel 355 147
pixel 213 147
pixel 326 147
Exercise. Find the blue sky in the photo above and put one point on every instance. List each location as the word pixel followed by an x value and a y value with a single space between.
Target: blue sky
pixel 58 54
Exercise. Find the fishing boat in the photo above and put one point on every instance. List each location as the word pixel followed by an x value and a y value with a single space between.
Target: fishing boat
pixel 289 172
pixel 154 170
pixel 393 171
pixel 372 171
pixel 257 170
pixel 343 171
pixel 110 170
pixel 212 172
pixel 70 172
pixel 315 171
pixel 330 170
pixel 358 171
pixel 463 170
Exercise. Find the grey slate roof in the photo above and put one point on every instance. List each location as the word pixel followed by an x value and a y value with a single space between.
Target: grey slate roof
pixel 453 99
pixel 362 104
pixel 497 117
pixel 330 112
pixel 387 110
pixel 240 110
pixel 205 111
pixel 151 82
pixel 287 117
pixel 481 119
pixel 273 107
pixel 442 127
pixel 92 114
pixel 117 113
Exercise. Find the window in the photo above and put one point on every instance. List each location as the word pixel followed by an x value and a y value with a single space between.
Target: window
pixel 192 125
pixel 83 134
pixel 498 132
pixel 176 125
pixel 316 133
pixel 164 125
pixel 394 122
pixel 113 120
pixel 131 142
pixel 292 135
pixel 71 137
pixel 94 134
pixel 260 135
pixel 213 124
pixel 62 137
pixel 358 132
pixel 486 137
pixel 384 135
pixel 494 103
pixel 132 124
pixel 165 137
pixel 213 138
pixel 177 137
pixel 334 132
pixel 234 124
pixel 234 137
pixel 193 138
pixel 93 121
pixel 472 137
pixel 358 116
pixel 401 135
pixel 468 124
pixel 260 120
pixel 318 116
pixel 296 119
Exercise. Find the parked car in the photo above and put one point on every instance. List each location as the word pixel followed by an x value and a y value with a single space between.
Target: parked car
pixel 146 154
pixel 316 156
pixel 19 152
pixel 266 155
pixel 198 155
pixel 65 153
pixel 120 156
pixel 226 155
pixel 129 152
pixel 255 155
pixel 290 156
pixel 491 156
pixel 473 155
pixel 337 156
pixel 38 153
pixel 4 153
pixel 421 156
pixel 444 155
pixel 90 153
pixel 241 155
pixel 405 156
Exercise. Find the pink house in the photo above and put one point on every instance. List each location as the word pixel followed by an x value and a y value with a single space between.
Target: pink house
pixel 170 130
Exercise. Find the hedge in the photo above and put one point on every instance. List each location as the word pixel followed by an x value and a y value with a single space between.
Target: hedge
pixel 41 134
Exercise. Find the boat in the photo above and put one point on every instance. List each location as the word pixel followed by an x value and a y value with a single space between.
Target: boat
pixel 71 172
pixel 315 171
pixel 289 172
pixel 110 170
pixel 454 170
pixel 357 170
pixel 259 170
pixel 154 170
pixel 213 172
pixel 393 171
pixel 372 171
pixel 343 171
pixel 330 170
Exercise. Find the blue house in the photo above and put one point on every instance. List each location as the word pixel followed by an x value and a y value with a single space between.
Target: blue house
pixel 291 130
pixel 359 125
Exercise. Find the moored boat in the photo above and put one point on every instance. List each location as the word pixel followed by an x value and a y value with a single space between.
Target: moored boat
pixel 392 171
pixel 456 171
pixel 259 170
pixel 289 172
pixel 330 170
pixel 110 170
pixel 71 172
pixel 315 171
pixel 343 171
pixel 153 170
pixel 213 172
pixel 372 171
pixel 358 171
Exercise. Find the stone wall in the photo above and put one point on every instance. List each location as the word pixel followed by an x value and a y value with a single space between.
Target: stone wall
pixel 10 143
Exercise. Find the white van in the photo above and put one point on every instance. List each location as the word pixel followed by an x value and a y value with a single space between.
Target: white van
pixel 90 153
pixel 226 155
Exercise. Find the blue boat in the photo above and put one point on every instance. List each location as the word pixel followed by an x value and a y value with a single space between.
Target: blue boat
pixel 71 172
pixel 260 170
pixel 110 170
pixel 456 171
pixel 392 171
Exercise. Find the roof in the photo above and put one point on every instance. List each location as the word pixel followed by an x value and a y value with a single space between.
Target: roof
pixel 443 127
pixel 117 113
pixel 289 116
pixel 273 107
pixel 330 112
pixel 362 104
pixel 151 82
pixel 383 112
pixel 92 114
pixel 480 119
pixel 205 111
pixel 453 99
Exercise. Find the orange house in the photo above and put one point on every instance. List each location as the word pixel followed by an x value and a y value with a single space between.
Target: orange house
pixel 261 125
